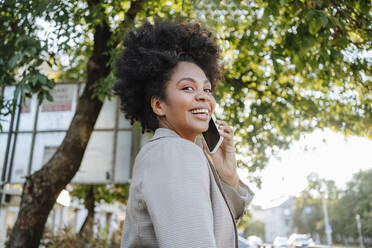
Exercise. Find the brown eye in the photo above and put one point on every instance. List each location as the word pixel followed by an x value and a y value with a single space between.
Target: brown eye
pixel 188 88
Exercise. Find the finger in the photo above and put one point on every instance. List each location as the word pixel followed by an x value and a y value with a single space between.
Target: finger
pixel 226 129
pixel 223 124
pixel 225 135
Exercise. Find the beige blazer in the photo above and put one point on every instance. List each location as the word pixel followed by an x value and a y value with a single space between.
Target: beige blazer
pixel 176 199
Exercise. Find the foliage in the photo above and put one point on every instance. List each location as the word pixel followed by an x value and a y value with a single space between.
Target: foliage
pixel 25 49
pixel 309 214
pixel 107 193
pixel 250 227
pixel 69 239
pixel 357 199
pixel 290 66
pixel 90 195
pixel 343 206
pixel 244 220
pixel 256 228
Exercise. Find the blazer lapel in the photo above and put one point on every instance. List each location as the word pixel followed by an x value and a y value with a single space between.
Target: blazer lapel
pixel 219 184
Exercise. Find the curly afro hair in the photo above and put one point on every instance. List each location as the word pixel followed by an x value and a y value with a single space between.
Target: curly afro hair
pixel 151 52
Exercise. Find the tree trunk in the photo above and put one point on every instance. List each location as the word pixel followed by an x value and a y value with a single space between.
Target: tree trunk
pixel 86 230
pixel 41 189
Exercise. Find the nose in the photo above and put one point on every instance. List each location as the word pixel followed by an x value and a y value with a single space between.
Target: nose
pixel 202 96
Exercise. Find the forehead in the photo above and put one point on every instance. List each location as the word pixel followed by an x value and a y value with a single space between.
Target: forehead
pixel 189 70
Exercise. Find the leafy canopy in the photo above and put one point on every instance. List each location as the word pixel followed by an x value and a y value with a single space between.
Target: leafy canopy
pixel 291 66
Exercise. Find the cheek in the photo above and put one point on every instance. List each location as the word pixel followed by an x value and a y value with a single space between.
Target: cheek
pixel 213 103
pixel 179 102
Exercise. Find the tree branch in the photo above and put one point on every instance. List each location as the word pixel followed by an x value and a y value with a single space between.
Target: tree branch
pixel 353 21
pixel 135 7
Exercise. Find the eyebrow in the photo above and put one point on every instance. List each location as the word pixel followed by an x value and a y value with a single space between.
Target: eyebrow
pixel 192 80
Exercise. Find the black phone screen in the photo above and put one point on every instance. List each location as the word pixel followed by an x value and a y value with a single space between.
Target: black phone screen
pixel 211 136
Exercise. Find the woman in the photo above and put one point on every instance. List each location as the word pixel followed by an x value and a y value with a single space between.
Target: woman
pixel 165 79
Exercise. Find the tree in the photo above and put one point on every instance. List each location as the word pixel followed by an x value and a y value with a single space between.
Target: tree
pixel 42 188
pixel 356 199
pixel 22 52
pixel 244 220
pixel 92 194
pixel 309 216
pixel 290 67
pixel 250 227
pixel 343 206
pixel 256 228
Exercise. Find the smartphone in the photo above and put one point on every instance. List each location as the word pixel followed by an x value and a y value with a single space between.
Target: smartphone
pixel 212 137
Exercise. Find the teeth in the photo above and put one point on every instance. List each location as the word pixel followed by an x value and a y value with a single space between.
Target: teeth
pixel 200 111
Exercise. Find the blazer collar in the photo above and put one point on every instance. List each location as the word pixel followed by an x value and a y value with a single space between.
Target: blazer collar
pixel 164 132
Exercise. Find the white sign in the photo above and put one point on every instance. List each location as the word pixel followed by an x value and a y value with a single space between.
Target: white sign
pixel 62 99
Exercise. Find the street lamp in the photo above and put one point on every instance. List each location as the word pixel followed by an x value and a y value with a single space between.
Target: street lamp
pixel 328 228
pixel 359 231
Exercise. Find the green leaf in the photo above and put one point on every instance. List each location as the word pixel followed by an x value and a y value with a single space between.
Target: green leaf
pixel 13 61
pixel 314 26
pixel 49 97
pixel 298 62
pixel 26 87
pixel 50 84
pixel 42 79
pixel 309 41
pixel 323 19
pixel 40 98
pixel 33 79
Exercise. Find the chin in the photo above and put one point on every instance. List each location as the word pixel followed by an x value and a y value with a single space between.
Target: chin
pixel 203 128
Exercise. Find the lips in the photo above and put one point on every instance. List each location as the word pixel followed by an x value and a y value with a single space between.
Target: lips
pixel 201 113
pixel 206 108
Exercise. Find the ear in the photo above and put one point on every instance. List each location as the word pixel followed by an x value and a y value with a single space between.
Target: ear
pixel 157 106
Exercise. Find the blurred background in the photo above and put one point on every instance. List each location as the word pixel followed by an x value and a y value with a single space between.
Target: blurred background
pixel 297 89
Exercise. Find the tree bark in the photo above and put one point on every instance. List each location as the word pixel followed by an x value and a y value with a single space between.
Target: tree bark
pixel 86 230
pixel 41 189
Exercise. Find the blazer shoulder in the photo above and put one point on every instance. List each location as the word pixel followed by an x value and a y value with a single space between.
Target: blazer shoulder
pixel 170 147
pixel 172 154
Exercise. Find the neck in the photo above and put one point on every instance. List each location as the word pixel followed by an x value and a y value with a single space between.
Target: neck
pixel 182 134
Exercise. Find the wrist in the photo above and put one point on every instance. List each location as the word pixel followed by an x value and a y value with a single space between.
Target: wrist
pixel 233 181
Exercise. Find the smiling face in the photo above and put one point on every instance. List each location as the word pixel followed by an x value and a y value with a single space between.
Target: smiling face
pixel 188 104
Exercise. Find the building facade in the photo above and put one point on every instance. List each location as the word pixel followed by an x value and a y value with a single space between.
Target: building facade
pixel 279 218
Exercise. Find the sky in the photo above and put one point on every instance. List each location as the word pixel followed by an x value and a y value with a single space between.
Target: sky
pixel 338 158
